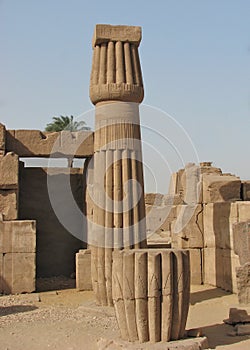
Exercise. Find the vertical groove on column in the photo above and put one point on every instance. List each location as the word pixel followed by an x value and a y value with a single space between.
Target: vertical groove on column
pixel 126 176
pixel 136 65
pixel 135 201
pixel 167 295
pixel 118 185
pixel 119 62
pixel 128 64
pixel 129 294
pixel 109 224
pixel 94 248
pixel 154 296
pixel 141 205
pixel 117 292
pixel 95 66
pixel 111 63
pixel 101 230
pixel 103 66
pixel 185 292
pixel 141 295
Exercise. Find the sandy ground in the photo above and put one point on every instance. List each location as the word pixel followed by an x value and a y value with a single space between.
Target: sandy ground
pixel 68 319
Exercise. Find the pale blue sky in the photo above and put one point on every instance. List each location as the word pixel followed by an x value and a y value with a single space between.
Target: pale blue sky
pixel 195 59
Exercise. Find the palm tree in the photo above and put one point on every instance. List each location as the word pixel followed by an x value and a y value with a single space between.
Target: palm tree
pixel 66 123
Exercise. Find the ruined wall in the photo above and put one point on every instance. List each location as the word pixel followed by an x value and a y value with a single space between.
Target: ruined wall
pixel 198 214
pixel 56 247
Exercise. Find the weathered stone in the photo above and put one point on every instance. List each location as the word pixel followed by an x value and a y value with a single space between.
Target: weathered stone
pixel 218 220
pixel 222 188
pixel 1 273
pixel 241 232
pixel 9 171
pixel 159 218
pixel 185 344
pixel 237 316
pixel 154 199
pixel 83 270
pixel 191 183
pixel 196 266
pixel 243 211
pixel 19 271
pixel 160 291
pixel 246 190
pixel 105 33
pixel 2 139
pixel 243 283
pixel 34 143
pixel 18 237
pixel 243 329
pixel 9 204
pixel 219 268
pixel 187 229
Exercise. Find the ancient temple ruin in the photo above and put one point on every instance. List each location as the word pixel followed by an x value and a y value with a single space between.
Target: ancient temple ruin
pixel 144 250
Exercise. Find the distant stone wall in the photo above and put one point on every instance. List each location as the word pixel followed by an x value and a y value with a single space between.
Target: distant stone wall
pixel 56 247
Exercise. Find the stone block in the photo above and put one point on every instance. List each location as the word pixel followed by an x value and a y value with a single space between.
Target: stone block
pixel 219 268
pixel 1 273
pixel 18 237
pixel 154 199
pixel 241 235
pixel 9 204
pixel 172 189
pixel 243 211
pixel 243 283
pixel 19 272
pixel 159 218
pixel 196 266
pixel 106 32
pixel 217 226
pixel 246 190
pixel 34 143
pixel 9 171
pixel 187 229
pixel 221 188
pixel 191 184
pixel 83 270
pixel 2 139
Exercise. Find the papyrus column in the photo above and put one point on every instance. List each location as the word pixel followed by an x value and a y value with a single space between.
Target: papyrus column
pixel 116 89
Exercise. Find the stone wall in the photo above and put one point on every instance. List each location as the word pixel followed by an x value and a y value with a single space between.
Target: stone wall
pixel 56 247
pixel 198 214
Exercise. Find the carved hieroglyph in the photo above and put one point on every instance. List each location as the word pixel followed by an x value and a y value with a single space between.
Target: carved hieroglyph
pixel 116 89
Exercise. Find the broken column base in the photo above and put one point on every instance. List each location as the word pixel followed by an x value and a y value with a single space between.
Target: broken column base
pixel 184 344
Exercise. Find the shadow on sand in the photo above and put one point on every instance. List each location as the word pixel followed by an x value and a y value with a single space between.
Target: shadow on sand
pixel 217 335
pixel 15 309
pixel 197 297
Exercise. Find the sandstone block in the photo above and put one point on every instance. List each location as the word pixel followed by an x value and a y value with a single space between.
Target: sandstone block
pixel 19 272
pixel 1 273
pixel 219 268
pixel 9 204
pixel 83 270
pixel 159 218
pixel 106 32
pixel 243 329
pixel 241 232
pixel 246 190
pixel 9 171
pixel 187 229
pixel 243 211
pixel 243 283
pixel 2 139
pixel 153 199
pixel 196 266
pixel 217 225
pixel 191 183
pixel 18 237
pixel 221 188
pixel 30 143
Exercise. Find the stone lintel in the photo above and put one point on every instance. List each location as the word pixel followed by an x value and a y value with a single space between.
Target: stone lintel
pixel 35 143
pixel 106 32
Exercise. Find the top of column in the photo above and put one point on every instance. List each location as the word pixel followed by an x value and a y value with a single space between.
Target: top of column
pixel 116 71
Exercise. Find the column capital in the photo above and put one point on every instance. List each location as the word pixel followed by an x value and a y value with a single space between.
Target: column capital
pixel 116 71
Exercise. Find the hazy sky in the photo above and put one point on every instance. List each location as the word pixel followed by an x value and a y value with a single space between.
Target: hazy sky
pixel 195 59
